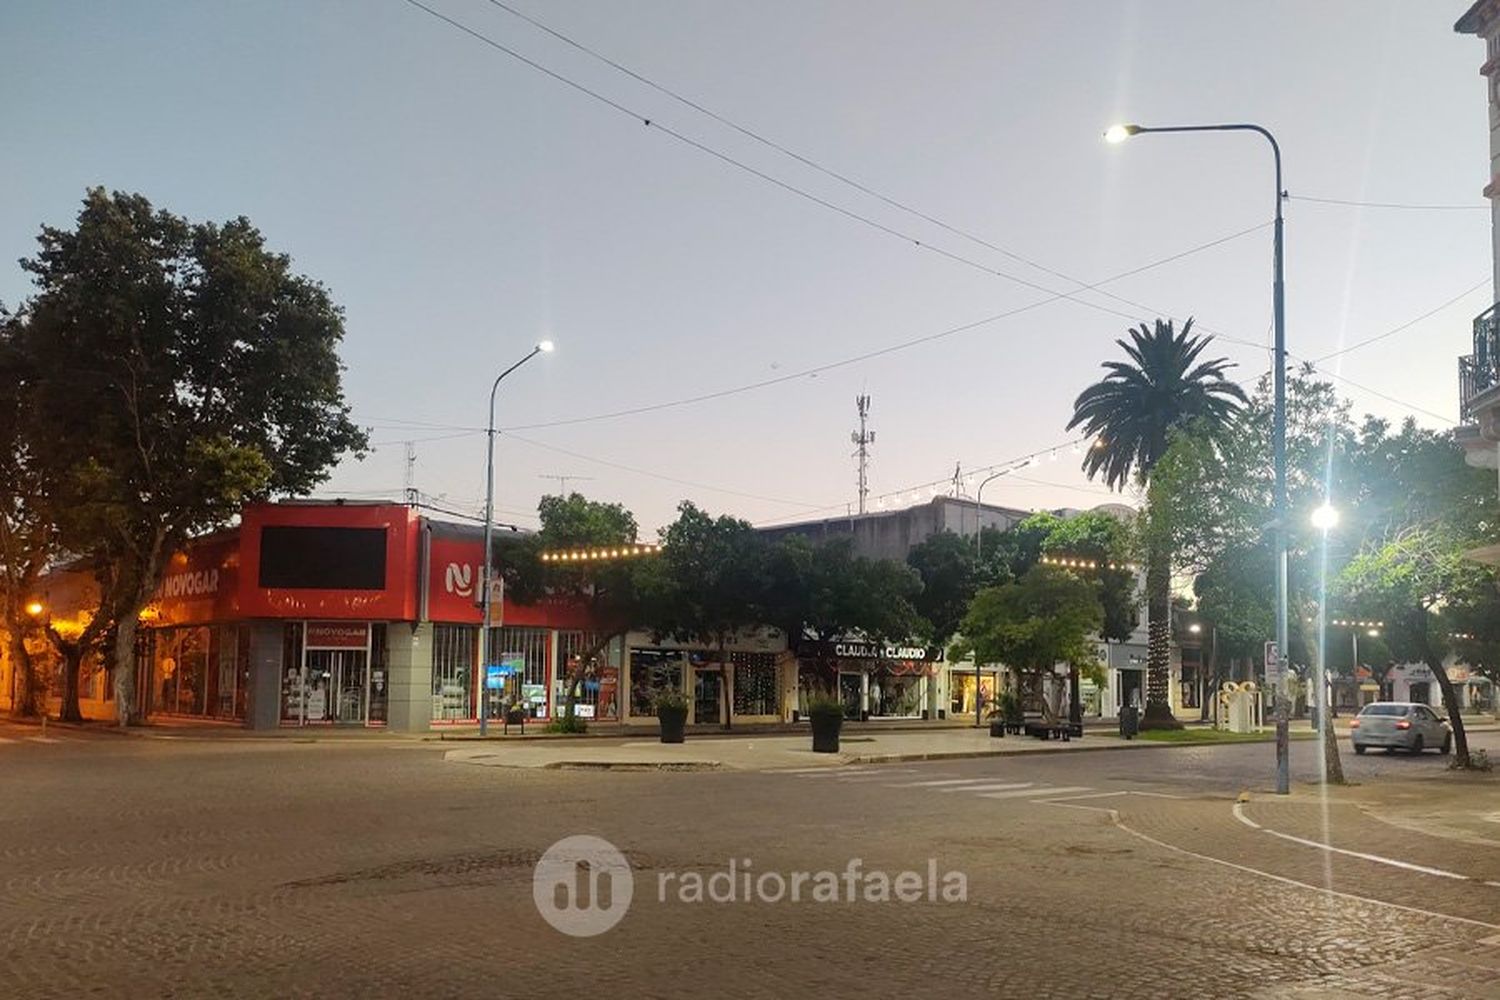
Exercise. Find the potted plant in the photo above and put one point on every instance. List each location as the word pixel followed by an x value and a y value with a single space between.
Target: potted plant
pixel 826 713
pixel 671 712
pixel 1008 707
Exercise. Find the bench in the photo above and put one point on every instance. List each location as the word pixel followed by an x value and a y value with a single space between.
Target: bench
pixel 1064 731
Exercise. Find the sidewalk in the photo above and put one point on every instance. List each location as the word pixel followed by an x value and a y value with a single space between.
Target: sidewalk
pixel 772 752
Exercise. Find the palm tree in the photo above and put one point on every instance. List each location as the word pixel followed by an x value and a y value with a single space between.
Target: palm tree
pixel 1131 413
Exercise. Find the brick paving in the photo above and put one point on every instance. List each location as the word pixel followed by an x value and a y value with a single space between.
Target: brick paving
pixel 133 868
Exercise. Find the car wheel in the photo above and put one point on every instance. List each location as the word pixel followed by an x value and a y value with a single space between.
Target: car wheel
pixel 1416 744
pixel 1359 748
pixel 1447 745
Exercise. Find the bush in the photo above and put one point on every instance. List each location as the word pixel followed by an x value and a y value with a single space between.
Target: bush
pixel 823 704
pixel 671 700
pixel 567 724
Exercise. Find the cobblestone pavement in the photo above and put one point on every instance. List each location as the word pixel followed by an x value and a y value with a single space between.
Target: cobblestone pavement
pixel 138 868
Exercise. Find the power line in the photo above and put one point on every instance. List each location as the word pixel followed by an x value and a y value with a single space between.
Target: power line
pixel 1347 203
pixel 656 475
pixel 1409 323
pixel 788 186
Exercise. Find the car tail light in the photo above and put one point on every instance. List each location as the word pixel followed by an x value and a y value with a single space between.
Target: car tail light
pixel 1353 723
pixel 1403 724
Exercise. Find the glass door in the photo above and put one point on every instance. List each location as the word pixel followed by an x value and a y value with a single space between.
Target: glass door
pixel 351 684
pixel 707 705
pixel 851 693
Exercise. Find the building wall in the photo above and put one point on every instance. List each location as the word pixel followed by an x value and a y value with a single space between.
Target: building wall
pixel 893 534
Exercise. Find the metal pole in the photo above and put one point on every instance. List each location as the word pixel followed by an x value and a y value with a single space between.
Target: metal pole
pixel 485 651
pixel 1278 367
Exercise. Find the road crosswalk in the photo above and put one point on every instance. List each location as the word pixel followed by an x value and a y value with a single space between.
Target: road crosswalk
pixel 991 787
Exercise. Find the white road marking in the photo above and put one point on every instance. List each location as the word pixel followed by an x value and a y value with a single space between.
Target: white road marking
pixel 986 788
pixel 828 772
pixel 1035 791
pixel 1114 816
pixel 811 770
pixel 44 739
pixel 945 781
pixel 1239 814
pixel 851 779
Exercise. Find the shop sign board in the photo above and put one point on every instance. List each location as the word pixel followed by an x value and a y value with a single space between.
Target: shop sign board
pixel 534 694
pixel 336 635
pixel 872 651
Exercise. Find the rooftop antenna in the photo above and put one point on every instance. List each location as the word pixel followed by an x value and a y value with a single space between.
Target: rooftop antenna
pixel 564 479
pixel 862 439
pixel 411 474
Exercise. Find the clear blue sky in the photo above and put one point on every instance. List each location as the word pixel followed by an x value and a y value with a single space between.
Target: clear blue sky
pixel 461 205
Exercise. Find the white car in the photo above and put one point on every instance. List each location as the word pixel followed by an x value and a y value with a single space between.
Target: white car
pixel 1400 724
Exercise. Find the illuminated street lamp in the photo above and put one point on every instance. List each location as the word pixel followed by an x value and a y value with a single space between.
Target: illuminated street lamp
pixel 1119 133
pixel 486 599
pixel 1325 518
pixel 35 609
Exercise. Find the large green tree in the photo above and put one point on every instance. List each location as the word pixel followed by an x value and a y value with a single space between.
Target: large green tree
pixel 946 563
pixel 711 583
pixel 1419 510
pixel 1131 413
pixel 180 369
pixel 826 591
pixel 1047 617
pixel 27 526
pixel 616 591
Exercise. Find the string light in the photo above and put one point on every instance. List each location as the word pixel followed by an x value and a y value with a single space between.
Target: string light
pixel 1077 562
pixel 598 554
pixel 1347 623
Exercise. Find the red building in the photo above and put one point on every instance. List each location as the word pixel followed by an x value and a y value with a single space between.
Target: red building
pixel 361 614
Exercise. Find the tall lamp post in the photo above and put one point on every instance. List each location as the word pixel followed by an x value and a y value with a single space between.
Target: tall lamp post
pixel 486 600
pixel 979 551
pixel 1119 133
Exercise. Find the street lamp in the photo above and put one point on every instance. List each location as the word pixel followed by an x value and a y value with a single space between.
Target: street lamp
pixel 35 609
pixel 1325 518
pixel 1119 133
pixel 486 599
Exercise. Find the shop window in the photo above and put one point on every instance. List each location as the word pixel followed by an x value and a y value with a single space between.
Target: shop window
pixel 599 692
pixel 180 675
pixel 379 675
pixel 755 688
pixel 527 651
pixel 454 653
pixel 896 695
pixel 293 694
pixel 1190 685
pixel 653 671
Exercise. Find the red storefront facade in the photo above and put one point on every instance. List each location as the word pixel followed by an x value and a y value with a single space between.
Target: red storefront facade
pixel 357 614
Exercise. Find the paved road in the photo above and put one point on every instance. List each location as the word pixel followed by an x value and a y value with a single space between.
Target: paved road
pixel 272 868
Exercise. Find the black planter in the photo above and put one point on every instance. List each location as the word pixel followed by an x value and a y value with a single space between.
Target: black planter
pixel 997 729
pixel 825 732
pixel 672 720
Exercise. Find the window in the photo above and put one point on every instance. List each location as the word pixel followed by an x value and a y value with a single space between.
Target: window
pixel 653 671
pixel 1190 684
pixel 180 678
pixel 529 649
pixel 454 653
pixel 755 690
pixel 598 694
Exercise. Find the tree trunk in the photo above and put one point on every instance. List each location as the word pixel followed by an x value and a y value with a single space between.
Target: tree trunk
pixel 725 679
pixel 1158 714
pixel 1455 715
pixel 24 698
pixel 122 650
pixel 72 665
pixel 1075 709
pixel 1333 766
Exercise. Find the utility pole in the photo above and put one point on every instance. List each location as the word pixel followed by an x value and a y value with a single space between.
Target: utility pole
pixel 564 480
pixel 862 440
pixel 411 474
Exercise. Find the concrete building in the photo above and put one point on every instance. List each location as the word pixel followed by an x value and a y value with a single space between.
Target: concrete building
pixel 891 534
pixel 1479 371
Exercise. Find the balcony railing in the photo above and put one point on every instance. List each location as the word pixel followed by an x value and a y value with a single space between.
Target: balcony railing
pixel 1479 372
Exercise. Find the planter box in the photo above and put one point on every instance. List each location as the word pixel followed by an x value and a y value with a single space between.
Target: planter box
pixel 825 732
pixel 673 721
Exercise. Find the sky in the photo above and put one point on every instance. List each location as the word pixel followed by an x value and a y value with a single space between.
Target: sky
pixel 462 205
